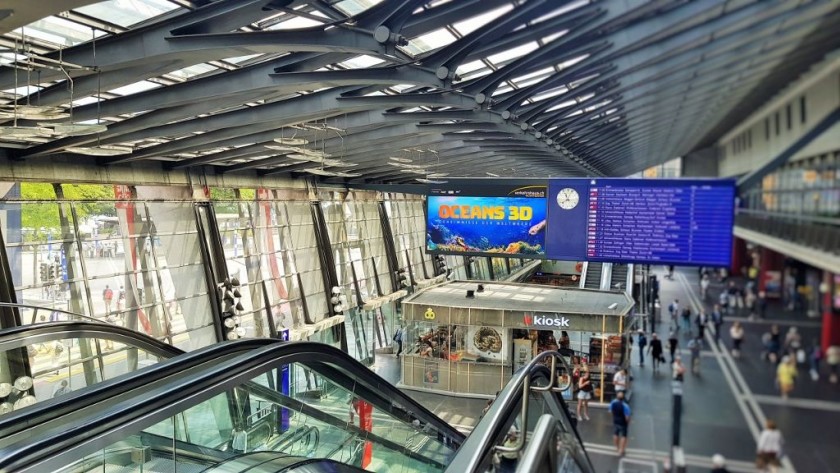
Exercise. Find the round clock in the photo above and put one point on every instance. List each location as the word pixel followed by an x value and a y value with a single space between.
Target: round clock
pixel 567 198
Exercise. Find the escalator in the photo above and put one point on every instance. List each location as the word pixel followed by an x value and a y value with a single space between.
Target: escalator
pixel 618 277
pixel 246 403
pixel 592 275
pixel 532 407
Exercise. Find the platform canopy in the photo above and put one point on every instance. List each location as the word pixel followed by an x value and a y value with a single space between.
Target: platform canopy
pixel 394 91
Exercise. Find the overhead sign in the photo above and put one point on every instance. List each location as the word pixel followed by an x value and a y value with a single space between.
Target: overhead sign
pixel 546 321
pixel 615 220
pixel 488 217
pixel 664 221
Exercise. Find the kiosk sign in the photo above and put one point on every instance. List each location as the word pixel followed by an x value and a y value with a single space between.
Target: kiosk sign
pixel 532 320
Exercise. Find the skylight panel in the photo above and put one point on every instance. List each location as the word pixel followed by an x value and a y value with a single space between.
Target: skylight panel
pixel 402 87
pixel 567 103
pixel 502 90
pixel 192 71
pixel 470 67
pixel 553 36
pixel 572 62
pixel 513 53
pixel 294 23
pixel 429 41
pixel 550 93
pixel 539 75
pixel 23 90
pixel 362 62
pixel 59 31
pixel 241 59
pixel 354 7
pixel 469 25
pixel 127 12
pixel 134 88
pixel 564 9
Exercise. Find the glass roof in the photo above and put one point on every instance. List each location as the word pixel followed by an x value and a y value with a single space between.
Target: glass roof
pixel 262 87
pixel 127 13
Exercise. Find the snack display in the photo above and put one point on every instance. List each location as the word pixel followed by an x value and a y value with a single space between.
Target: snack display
pixel 488 339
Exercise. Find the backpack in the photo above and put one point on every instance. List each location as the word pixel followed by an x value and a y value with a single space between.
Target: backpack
pixel 642 341
pixel 397 335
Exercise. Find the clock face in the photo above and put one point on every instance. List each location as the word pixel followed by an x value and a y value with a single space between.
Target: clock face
pixel 567 198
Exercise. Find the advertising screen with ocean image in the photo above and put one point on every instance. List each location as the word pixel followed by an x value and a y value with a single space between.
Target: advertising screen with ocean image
pixel 509 225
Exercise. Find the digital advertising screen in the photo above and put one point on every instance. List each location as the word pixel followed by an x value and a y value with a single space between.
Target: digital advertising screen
pixel 652 221
pixel 487 217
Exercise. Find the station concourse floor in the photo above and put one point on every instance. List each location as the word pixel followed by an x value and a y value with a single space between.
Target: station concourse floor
pixel 723 408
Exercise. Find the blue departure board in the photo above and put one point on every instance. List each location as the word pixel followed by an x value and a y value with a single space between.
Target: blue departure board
pixel 661 221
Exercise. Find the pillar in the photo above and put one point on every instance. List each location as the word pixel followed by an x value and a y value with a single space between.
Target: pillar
pixel 740 258
pixel 831 310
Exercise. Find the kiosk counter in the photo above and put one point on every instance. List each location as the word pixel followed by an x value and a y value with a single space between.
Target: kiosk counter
pixel 471 346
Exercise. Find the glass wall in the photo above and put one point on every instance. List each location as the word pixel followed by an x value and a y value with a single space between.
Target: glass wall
pixel 809 187
pixel 139 262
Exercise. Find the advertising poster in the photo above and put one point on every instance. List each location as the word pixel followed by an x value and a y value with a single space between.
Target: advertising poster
pixel 773 284
pixel 837 292
pixel 431 373
pixel 490 219
pixel 488 343
pixel 523 352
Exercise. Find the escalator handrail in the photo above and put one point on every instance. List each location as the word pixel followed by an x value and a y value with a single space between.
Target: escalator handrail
pixel 14 423
pixel 110 425
pixel 16 337
pixel 37 308
pixel 61 330
pixel 483 439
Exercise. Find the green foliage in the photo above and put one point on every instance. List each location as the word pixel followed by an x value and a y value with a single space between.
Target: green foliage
pixel 38 217
pixel 41 218
pixel 99 199
pixel 226 199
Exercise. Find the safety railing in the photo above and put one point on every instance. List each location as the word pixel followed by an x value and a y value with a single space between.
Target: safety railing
pixel 815 232
pixel 545 377
pixel 71 316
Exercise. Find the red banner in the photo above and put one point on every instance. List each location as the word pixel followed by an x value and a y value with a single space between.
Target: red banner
pixel 366 424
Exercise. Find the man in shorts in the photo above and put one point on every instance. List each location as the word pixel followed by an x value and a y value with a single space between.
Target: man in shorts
pixel 621 421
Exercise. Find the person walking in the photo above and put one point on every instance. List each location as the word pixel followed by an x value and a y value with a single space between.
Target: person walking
pixel 761 304
pixel 398 337
pixel 719 464
pixel 674 310
pixel 584 395
pixel 694 347
pixel 107 297
pixel 686 321
pixel 832 357
pixel 736 333
pixel 769 448
pixel 717 320
pixel 508 460
pixel 678 369
pixel 774 343
pixel 621 422
pixel 786 375
pixel 620 380
pixel 121 299
pixel 793 344
pixel 814 359
pixel 673 342
pixel 704 286
pixel 642 341
pixel 62 389
pixel 655 350
pixel 701 321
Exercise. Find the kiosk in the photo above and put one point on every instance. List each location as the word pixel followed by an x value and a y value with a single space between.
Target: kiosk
pixel 468 338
